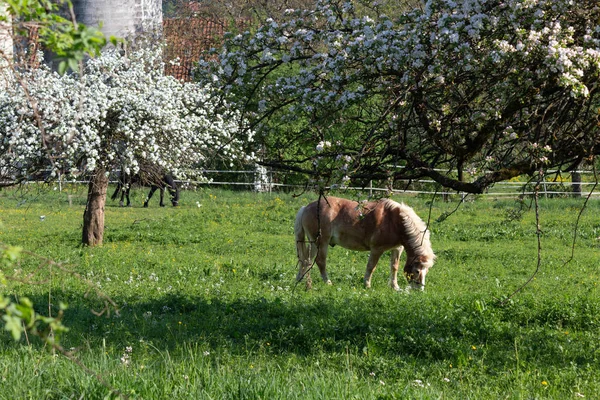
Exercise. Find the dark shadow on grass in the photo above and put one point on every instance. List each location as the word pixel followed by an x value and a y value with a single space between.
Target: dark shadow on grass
pixel 447 332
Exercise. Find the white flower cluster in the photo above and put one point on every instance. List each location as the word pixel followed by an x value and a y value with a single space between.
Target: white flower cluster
pixel 439 43
pixel 122 110
pixel 539 155
pixel 456 71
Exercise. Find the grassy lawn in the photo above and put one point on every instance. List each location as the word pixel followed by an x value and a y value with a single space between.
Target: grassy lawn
pixel 208 307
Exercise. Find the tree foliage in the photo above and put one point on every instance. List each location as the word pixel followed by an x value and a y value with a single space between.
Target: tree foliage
pixel 496 88
pixel 69 40
pixel 261 9
pixel 227 9
pixel 120 112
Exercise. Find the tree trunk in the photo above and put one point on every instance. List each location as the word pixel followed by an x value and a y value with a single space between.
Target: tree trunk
pixel 93 216
pixel 576 179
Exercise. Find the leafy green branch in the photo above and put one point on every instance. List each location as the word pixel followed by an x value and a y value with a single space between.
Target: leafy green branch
pixel 69 40
pixel 19 316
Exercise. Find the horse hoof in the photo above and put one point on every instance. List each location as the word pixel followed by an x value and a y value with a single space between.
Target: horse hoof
pixel 145 205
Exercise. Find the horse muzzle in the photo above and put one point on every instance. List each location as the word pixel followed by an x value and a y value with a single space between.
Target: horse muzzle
pixel 417 280
pixel 416 285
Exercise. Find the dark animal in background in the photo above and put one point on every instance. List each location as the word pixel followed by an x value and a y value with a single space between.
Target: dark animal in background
pixel 160 181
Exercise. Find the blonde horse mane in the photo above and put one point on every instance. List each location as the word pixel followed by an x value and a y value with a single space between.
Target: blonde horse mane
pixel 416 230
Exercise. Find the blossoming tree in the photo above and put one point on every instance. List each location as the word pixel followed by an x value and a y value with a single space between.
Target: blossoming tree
pixel 119 112
pixel 499 88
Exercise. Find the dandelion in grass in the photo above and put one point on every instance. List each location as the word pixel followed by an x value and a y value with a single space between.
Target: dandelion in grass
pixel 544 383
pixel 579 394
pixel 206 353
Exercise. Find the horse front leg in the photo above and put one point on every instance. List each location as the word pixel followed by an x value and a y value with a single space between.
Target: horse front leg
pixel 394 261
pixel 371 264
pixel 152 190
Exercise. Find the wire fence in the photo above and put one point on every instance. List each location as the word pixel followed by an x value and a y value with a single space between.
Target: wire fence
pixel 263 180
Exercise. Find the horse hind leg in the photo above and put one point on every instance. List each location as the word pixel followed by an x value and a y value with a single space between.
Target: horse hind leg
pixel 305 249
pixel 121 189
pixel 305 257
pixel 126 193
pixel 162 196
pixel 304 252
pixel 124 196
pixel 321 260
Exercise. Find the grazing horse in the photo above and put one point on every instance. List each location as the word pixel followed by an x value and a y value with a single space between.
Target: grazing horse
pixel 155 181
pixel 375 226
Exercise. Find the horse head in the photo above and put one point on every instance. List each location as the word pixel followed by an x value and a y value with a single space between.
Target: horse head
pixel 416 269
pixel 175 197
pixel 171 186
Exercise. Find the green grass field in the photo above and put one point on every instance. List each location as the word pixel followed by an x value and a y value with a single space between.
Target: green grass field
pixel 208 307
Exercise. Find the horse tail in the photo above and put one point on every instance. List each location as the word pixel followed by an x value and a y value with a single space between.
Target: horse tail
pixel 301 246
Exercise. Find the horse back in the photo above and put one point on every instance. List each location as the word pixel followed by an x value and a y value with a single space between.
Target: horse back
pixel 353 225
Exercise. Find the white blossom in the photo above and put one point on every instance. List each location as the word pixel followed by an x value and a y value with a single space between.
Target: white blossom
pixel 120 110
